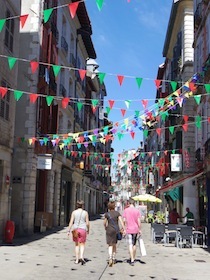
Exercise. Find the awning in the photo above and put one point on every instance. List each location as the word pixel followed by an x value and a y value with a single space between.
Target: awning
pixel 176 183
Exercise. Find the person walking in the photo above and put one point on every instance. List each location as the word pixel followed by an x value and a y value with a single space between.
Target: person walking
pixel 112 219
pixel 132 221
pixel 79 221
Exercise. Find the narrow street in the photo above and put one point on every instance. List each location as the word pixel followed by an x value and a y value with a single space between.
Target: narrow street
pixel 51 256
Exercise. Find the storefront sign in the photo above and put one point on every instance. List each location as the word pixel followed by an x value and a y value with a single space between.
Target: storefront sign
pixel 176 162
pixel 44 161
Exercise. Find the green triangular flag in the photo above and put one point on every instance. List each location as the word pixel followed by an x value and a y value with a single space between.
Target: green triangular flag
pixel 145 132
pixel 79 106
pixel 101 77
pixel 139 81
pixel 173 85
pixel 207 87
pixel 137 113
pixel 171 129
pixel 11 62
pixel 164 115
pixel 108 109
pixel 2 22
pixel 158 153
pixel 45 139
pixel 99 4
pixel 198 121
pixel 173 151
pixel 161 102
pixel 120 135
pixel 94 102
pixel 17 94
pixel 197 98
pixel 80 153
pixel 47 13
pixel 49 100
pixel 56 69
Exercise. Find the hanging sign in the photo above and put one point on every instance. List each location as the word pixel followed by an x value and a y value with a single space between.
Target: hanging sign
pixel 176 162
pixel 44 161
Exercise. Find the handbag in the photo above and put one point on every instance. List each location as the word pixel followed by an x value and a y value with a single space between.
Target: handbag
pixel 119 234
pixel 142 247
pixel 75 233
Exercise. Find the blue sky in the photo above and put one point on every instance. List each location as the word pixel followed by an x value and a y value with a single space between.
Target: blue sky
pixel 129 39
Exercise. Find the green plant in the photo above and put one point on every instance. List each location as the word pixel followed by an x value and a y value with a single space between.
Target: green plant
pixel 160 217
pixel 150 218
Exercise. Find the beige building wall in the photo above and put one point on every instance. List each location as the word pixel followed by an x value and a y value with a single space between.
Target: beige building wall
pixel 8 78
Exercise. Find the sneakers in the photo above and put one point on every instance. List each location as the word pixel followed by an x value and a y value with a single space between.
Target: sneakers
pixel 132 263
pixel 110 262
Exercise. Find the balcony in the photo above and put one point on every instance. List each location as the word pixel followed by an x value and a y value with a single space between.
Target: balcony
pixel 62 91
pixel 64 44
pixel 72 60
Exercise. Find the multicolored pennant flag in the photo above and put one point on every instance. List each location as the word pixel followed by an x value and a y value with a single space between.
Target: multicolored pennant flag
pixel 65 102
pixel 3 91
pixel 99 4
pixel 139 81
pixel 17 94
pixel 79 106
pixel 173 85
pixel 56 69
pixel 49 100
pixel 11 62
pixel 73 8
pixel 111 103
pixel 120 79
pixel 197 98
pixel 101 77
pixel 33 97
pixel 47 13
pixel 82 73
pixel 2 22
pixel 34 66
pixel 23 19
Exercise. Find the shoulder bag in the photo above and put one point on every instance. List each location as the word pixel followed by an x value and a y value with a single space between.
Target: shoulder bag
pixel 119 234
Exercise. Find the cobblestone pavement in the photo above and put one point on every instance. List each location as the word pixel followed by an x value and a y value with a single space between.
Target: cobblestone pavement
pixel 51 256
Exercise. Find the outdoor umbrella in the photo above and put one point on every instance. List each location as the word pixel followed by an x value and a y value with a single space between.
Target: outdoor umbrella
pixel 147 198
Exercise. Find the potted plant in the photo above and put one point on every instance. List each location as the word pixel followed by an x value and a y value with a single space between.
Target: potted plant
pixel 160 217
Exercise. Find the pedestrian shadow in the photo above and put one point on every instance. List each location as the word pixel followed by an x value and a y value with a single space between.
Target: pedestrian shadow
pixel 136 261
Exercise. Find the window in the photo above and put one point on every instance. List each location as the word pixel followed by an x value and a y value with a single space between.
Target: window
pixel 9 31
pixel 4 103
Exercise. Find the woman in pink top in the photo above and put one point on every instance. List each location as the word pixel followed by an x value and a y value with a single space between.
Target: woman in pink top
pixel 132 220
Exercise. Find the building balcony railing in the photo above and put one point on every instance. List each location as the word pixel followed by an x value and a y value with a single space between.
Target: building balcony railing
pixel 64 44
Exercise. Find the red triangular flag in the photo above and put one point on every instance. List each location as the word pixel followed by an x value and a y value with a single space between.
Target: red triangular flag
pixel 133 134
pixel 33 97
pixel 93 109
pixel 3 91
pixel 208 119
pixel 157 83
pixel 82 73
pixel 165 152
pixel 185 117
pixel 150 154
pixel 185 126
pixel 23 20
pixel 158 130
pixel 65 102
pixel 111 103
pixel 34 66
pixel 123 111
pixel 192 86
pixel 120 79
pixel 73 8
pixel 144 103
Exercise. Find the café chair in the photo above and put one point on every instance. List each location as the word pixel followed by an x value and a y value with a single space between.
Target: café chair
pixel 185 237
